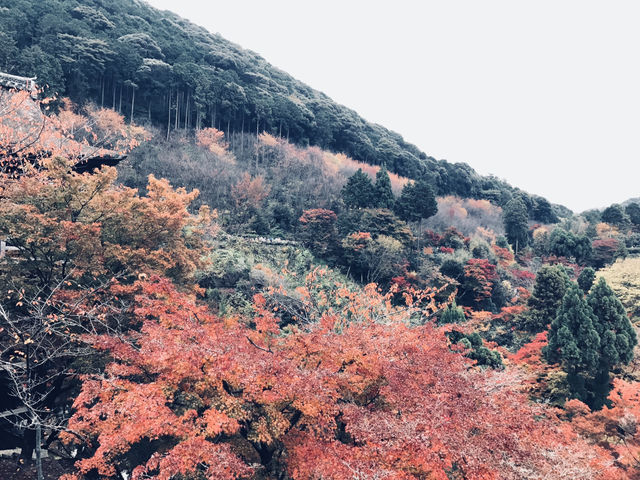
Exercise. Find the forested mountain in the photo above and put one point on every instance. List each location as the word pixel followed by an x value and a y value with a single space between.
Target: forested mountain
pixel 239 299
pixel 151 64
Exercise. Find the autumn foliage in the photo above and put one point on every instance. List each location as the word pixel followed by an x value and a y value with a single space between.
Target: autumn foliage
pixel 336 399
pixel 28 132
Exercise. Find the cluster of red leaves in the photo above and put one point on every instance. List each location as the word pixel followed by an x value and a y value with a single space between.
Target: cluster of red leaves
pixel 505 256
pixel 615 427
pixel 480 274
pixel 360 399
pixel 531 353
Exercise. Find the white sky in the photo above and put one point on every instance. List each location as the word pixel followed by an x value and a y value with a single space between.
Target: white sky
pixel 544 94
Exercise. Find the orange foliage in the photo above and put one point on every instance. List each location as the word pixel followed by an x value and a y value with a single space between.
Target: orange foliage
pixel 26 133
pixel 605 230
pixel 451 207
pixel 249 193
pixel 480 274
pixel 530 354
pixel 85 226
pixel 505 257
pixel 615 427
pixel 341 398
pixel 340 163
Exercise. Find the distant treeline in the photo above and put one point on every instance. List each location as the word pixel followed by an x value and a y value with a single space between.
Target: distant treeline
pixel 154 65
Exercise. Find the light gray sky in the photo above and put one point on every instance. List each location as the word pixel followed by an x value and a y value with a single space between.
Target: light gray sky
pixel 544 94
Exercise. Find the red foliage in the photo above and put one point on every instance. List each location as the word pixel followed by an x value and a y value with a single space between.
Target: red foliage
pixel 615 427
pixel 432 238
pixel 507 314
pixel 318 230
pixel 505 257
pixel 338 399
pixel 480 274
pixel 531 353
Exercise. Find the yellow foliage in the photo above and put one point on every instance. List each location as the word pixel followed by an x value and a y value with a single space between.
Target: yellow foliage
pixel 606 231
pixel 540 231
pixel 624 278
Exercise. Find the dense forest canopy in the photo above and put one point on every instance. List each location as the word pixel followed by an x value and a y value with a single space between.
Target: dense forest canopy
pixel 155 65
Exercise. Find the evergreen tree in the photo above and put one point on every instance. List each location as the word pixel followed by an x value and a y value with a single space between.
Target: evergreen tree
pixel 586 278
pixel 515 223
pixel 550 287
pixel 383 192
pixel 417 201
pixel 452 314
pixel 574 342
pixel 359 192
pixel 617 337
pixel 543 212
pixel 633 212
pixel 615 215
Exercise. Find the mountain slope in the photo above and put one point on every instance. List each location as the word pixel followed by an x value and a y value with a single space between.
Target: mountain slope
pixel 149 63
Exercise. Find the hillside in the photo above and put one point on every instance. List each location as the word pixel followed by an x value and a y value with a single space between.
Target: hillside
pixel 241 299
pixel 157 66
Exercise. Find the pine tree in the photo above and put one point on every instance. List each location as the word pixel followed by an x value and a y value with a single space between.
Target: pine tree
pixel 452 314
pixel 574 342
pixel 617 337
pixel 515 223
pixel 384 194
pixel 417 201
pixel 550 287
pixel 359 192
pixel 586 278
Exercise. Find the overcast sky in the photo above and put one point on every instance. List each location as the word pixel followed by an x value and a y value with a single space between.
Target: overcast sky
pixel 544 94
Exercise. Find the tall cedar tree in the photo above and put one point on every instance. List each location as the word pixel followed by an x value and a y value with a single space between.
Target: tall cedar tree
pixel 548 291
pixel 359 192
pixel 586 278
pixel 574 342
pixel 384 194
pixel 515 223
pixel 617 336
pixel 417 201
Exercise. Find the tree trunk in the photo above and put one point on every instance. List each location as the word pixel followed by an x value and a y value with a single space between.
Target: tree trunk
pixel 242 136
pixel 187 111
pixel 120 101
pixel 28 445
pixel 169 115
pixel 102 92
pixel 177 123
pixel 113 97
pixel 133 100
pixel 39 451
pixel 257 144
